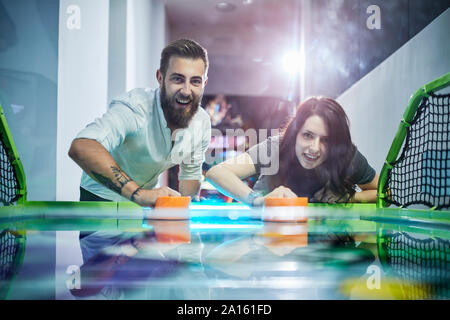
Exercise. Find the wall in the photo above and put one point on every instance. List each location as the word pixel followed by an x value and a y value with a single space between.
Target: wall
pixel 146 24
pixel 146 37
pixel 376 103
pixel 116 48
pixel 82 81
pixel 28 87
pixel 246 44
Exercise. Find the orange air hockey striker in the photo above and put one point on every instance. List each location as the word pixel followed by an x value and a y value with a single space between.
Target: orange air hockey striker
pixel 173 202
pixel 285 209
pixel 171 208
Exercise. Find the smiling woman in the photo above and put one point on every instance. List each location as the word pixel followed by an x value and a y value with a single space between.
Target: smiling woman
pixel 315 156
pixel 310 145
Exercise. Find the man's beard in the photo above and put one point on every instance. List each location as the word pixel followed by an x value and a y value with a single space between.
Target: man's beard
pixel 179 118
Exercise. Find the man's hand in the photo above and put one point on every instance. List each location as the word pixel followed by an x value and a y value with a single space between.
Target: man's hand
pixel 280 192
pixel 147 198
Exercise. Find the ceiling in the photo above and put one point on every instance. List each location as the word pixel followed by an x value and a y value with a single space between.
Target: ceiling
pixel 230 32
pixel 244 44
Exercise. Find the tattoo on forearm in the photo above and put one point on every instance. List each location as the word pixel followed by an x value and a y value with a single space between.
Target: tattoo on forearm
pixel 116 186
pixel 135 193
pixel 121 178
pixel 106 182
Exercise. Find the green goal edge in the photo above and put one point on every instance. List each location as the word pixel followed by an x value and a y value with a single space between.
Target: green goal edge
pixel 402 130
pixel 14 155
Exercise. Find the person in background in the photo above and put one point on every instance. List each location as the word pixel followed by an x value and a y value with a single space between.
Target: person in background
pixel 217 108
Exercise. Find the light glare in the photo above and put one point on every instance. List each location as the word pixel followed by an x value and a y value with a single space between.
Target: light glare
pixel 293 62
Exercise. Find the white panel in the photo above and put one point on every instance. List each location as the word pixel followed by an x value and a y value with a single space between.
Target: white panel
pixel 146 38
pixel 82 81
pixel 68 259
pixel 159 39
pixel 139 43
pixel 117 61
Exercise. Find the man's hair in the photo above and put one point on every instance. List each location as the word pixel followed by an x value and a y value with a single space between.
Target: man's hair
pixel 183 48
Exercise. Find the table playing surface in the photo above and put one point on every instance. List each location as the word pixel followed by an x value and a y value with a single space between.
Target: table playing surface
pixel 101 250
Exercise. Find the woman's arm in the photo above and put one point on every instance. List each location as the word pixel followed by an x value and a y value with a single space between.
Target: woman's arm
pixel 227 177
pixel 368 193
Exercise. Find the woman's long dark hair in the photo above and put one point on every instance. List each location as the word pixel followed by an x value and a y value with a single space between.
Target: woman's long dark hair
pixel 340 149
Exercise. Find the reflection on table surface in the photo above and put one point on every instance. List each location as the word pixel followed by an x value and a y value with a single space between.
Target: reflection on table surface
pixel 228 253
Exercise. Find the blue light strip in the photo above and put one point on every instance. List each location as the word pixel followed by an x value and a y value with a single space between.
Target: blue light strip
pixel 213 207
pixel 210 226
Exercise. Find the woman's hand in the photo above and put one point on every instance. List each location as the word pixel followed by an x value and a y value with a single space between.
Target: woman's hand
pixel 280 192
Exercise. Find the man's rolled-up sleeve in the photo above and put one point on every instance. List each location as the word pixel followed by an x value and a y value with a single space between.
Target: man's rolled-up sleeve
pixel 122 118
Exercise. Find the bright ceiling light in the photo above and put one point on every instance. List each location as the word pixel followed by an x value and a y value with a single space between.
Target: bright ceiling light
pixel 293 62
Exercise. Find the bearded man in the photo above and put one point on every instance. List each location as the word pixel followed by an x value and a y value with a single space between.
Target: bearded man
pixel 147 131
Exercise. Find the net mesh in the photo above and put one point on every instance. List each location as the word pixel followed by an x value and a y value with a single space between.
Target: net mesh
pixel 421 175
pixel 421 262
pixel 9 186
pixel 8 250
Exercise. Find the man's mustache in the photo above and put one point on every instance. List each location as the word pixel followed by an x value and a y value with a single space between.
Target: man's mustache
pixel 182 96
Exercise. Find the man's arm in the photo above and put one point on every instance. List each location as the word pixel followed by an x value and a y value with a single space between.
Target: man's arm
pixel 98 163
pixel 189 187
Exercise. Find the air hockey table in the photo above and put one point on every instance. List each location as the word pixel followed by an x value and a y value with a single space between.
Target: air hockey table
pixel 106 250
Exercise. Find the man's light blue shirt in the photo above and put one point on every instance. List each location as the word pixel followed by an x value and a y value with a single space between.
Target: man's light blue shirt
pixel 135 132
